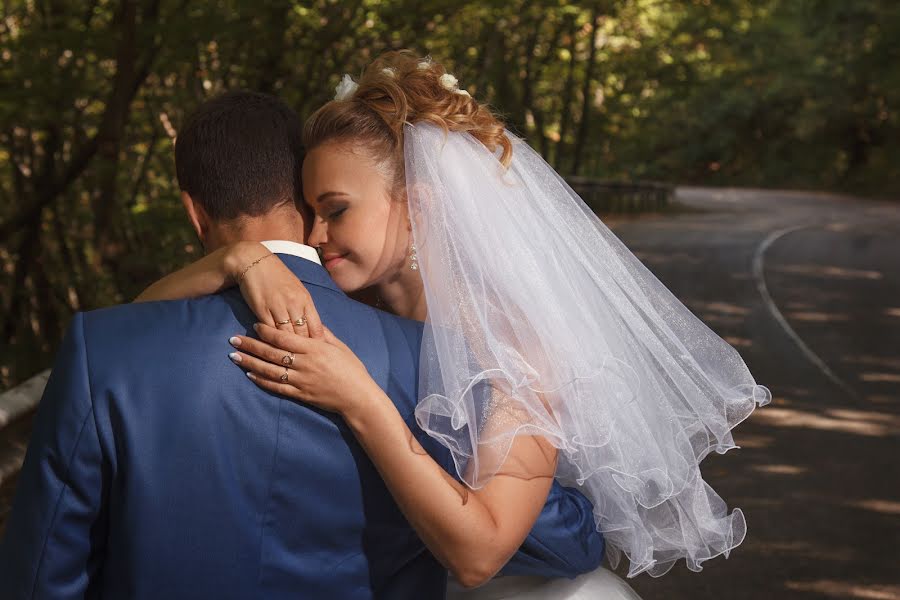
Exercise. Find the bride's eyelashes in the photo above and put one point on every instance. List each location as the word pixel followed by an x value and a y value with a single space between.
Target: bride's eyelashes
pixel 335 214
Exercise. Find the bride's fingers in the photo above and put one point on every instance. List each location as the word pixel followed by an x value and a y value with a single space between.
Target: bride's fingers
pixel 263 350
pixel 282 319
pixel 278 388
pixel 299 321
pixel 313 322
pixel 263 368
pixel 284 340
pixel 300 326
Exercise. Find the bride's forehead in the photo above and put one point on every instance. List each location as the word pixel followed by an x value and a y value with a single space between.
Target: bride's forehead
pixel 341 170
pixel 339 155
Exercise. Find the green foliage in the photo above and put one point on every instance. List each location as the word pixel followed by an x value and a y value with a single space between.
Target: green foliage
pixel 764 93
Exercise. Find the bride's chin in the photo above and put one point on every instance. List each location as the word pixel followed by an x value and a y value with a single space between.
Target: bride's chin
pixel 347 282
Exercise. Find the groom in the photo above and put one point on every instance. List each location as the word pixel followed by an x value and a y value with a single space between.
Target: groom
pixel 188 481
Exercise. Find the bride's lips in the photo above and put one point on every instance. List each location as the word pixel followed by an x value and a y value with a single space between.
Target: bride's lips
pixel 332 259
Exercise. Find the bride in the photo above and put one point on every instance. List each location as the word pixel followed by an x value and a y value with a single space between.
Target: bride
pixel 593 371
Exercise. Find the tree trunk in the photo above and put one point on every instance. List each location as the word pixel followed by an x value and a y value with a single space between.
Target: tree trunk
pixel 586 92
pixel 568 94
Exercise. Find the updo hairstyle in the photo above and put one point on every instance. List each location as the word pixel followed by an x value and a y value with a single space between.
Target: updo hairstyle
pixel 395 89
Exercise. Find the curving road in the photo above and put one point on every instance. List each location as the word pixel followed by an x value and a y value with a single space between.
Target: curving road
pixel 807 287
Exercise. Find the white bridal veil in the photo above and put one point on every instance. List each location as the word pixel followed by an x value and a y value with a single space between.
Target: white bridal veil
pixel 540 321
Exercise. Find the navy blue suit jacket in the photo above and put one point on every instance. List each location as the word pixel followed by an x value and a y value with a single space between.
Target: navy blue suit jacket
pixel 156 469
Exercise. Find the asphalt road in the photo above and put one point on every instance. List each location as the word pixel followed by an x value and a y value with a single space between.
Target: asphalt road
pixel 807 287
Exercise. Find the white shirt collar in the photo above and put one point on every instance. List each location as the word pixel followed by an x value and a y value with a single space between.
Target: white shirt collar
pixel 292 248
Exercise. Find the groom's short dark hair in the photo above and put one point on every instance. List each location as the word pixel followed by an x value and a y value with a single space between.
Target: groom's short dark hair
pixel 239 154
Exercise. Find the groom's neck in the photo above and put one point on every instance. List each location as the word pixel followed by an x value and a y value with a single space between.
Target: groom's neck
pixel 281 226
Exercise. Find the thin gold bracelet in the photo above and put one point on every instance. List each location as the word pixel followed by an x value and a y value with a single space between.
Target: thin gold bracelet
pixel 240 279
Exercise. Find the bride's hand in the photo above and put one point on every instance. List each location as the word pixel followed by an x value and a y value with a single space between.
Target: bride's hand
pixel 272 291
pixel 323 372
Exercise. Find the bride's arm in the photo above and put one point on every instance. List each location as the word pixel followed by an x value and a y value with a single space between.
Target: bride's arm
pixel 270 289
pixel 212 273
pixel 471 532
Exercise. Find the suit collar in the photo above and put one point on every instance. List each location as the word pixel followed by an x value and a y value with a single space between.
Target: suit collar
pixel 309 272
pixel 293 248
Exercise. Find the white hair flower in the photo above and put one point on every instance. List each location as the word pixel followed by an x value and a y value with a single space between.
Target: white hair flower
pixel 346 88
pixel 389 71
pixel 424 64
pixel 449 81
pixel 463 93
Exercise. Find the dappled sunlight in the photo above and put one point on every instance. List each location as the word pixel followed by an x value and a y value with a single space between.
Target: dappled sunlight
pixel 738 342
pixel 718 319
pixel 780 469
pixel 887 362
pixel 846 590
pixel 747 440
pixel 864 415
pixel 818 317
pixel 722 314
pixel 807 550
pixel 722 307
pixel 880 377
pixel 788 417
pixel 886 507
pixel 831 272
pixel 799 306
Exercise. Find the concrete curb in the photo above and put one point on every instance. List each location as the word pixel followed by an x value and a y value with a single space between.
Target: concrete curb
pixel 23 398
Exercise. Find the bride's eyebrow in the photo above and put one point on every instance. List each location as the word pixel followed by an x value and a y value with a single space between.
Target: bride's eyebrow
pixel 325 196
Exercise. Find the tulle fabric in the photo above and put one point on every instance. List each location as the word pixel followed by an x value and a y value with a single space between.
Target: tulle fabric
pixel 541 322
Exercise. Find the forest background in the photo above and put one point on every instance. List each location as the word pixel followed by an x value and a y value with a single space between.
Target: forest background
pixel 763 93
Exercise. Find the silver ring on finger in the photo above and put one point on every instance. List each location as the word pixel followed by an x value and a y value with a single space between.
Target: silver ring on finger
pixel 284 376
pixel 300 322
pixel 288 359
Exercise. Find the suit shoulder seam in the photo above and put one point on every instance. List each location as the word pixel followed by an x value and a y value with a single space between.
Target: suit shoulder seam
pixel 68 465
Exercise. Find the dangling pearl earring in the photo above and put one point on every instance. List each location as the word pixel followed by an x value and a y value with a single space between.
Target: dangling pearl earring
pixel 413 258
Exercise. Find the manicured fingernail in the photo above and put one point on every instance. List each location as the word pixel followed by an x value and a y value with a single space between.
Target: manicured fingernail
pixel 251 375
pixel 234 341
pixel 235 357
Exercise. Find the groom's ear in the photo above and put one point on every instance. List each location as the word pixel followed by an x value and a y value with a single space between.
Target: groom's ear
pixel 197 216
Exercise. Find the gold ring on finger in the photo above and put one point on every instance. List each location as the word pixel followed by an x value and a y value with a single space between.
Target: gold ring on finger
pixel 288 359
pixel 285 322
pixel 284 376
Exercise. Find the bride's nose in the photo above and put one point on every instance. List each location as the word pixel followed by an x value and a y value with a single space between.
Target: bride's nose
pixel 319 233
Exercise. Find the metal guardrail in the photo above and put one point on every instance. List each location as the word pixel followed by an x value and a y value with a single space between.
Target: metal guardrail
pixel 621 196
pixel 23 398
pixel 16 405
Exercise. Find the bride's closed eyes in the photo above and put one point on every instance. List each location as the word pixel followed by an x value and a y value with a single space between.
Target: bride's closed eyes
pixel 331 209
pixel 335 214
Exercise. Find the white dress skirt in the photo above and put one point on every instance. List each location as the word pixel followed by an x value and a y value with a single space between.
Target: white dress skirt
pixel 601 584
